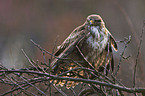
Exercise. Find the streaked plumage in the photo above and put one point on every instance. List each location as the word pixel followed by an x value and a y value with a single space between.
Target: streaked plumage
pixel 89 43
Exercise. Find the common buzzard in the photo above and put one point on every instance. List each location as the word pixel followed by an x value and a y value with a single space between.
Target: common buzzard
pixel 88 46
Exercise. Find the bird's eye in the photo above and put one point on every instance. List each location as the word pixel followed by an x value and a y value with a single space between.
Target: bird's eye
pixel 97 20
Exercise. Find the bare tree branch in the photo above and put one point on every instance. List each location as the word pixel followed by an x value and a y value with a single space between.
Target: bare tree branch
pixel 54 77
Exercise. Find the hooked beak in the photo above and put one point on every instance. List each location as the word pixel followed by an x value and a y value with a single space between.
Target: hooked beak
pixel 91 22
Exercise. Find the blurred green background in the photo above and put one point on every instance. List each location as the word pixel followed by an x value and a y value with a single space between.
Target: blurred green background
pixel 44 21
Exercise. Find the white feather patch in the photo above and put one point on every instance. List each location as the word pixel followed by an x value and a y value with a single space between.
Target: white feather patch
pixel 100 40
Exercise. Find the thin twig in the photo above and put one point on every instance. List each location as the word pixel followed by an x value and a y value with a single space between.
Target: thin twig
pixel 121 56
pixel 138 52
pixel 42 49
pixel 59 90
pixel 53 48
pixel 33 85
pixel 90 65
pixel 29 60
pixel 16 84
pixel 50 60
pixel 25 85
pixel 73 91
pixel 51 53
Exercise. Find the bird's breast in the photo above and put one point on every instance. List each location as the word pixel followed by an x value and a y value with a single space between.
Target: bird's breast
pixel 94 44
pixel 98 39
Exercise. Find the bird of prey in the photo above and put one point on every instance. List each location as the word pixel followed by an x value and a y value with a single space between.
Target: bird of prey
pixel 89 46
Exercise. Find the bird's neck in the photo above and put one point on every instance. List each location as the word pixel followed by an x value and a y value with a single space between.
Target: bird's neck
pixel 98 31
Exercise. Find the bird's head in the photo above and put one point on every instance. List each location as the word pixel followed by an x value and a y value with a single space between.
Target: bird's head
pixel 94 20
